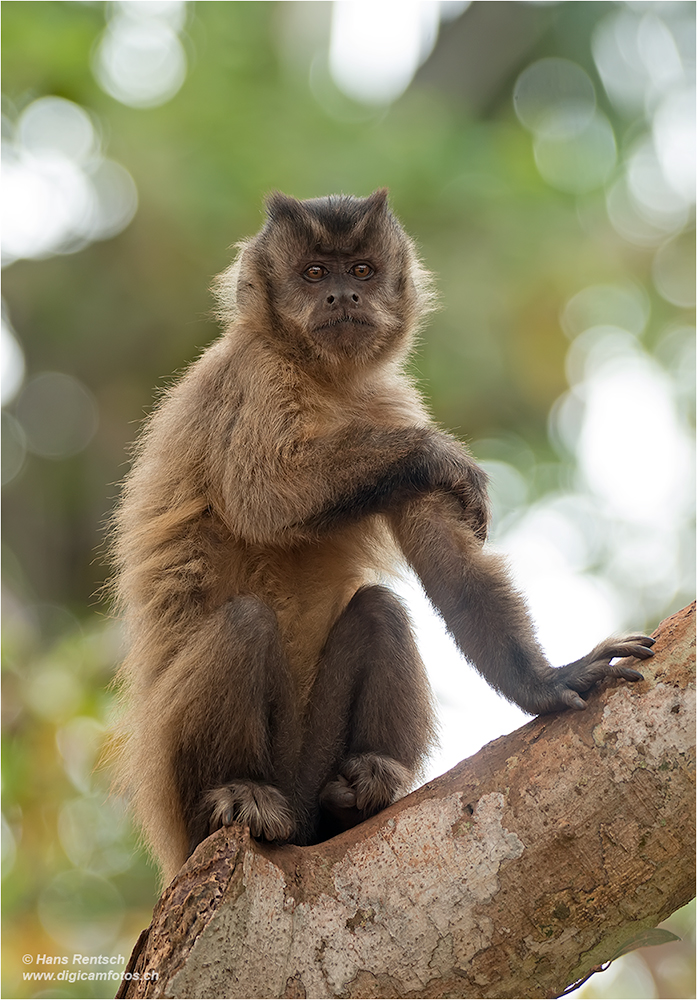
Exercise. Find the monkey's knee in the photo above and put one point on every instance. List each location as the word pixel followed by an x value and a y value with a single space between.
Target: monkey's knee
pixel 249 615
pixel 376 611
pixel 375 600
pixel 252 646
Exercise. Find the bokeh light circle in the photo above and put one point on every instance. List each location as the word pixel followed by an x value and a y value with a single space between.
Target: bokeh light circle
pixel 578 162
pixel 554 97
pixel 82 912
pixel 58 415
pixel 140 62
pixel 674 270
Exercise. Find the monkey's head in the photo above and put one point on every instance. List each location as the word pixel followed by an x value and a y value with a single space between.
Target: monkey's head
pixel 335 279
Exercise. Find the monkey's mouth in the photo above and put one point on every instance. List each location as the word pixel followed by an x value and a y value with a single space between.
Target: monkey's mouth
pixel 337 321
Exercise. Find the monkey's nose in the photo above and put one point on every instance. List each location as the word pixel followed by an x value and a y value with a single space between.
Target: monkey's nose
pixel 331 299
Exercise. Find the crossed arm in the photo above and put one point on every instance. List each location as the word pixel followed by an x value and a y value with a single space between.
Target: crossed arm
pixel 434 496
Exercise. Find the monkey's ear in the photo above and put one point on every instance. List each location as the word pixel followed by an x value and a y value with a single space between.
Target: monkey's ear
pixel 375 211
pixel 377 201
pixel 279 206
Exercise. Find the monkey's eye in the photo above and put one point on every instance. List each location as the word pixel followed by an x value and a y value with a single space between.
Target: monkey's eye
pixel 361 270
pixel 315 272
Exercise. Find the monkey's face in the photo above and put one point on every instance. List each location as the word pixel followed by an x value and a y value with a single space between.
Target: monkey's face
pixel 341 302
pixel 339 276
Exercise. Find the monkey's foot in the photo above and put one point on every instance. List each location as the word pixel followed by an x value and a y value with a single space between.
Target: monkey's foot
pixel 581 675
pixel 368 782
pixel 263 808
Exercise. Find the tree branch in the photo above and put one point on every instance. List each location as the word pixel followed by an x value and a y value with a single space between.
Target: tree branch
pixel 510 876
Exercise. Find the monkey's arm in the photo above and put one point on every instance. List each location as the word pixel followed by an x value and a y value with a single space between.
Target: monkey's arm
pixel 310 486
pixel 488 617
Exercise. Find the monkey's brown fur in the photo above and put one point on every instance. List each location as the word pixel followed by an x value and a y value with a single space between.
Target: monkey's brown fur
pixel 270 679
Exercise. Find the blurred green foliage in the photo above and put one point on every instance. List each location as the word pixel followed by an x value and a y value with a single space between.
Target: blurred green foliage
pixel 123 314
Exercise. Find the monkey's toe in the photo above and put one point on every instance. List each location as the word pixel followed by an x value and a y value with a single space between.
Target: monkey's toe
pixel 263 808
pixel 377 780
pixel 338 794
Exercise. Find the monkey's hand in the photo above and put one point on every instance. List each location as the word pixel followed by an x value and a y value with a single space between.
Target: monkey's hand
pixel 564 684
pixel 263 808
pixel 447 467
pixel 470 489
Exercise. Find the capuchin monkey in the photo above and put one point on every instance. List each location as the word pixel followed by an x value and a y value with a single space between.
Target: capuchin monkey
pixel 272 679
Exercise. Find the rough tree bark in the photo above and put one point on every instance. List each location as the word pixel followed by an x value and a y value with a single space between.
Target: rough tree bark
pixel 510 876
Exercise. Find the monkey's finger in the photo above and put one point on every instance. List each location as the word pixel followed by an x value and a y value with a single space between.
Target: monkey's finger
pixel 636 650
pixel 645 640
pixel 631 645
pixel 573 700
pixel 629 674
pixel 582 678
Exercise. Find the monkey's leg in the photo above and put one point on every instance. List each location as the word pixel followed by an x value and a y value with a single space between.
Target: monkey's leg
pixel 370 722
pixel 239 737
pixel 488 617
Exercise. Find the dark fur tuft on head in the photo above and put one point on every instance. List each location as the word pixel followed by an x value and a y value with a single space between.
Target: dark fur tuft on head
pixel 337 214
pixel 337 220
